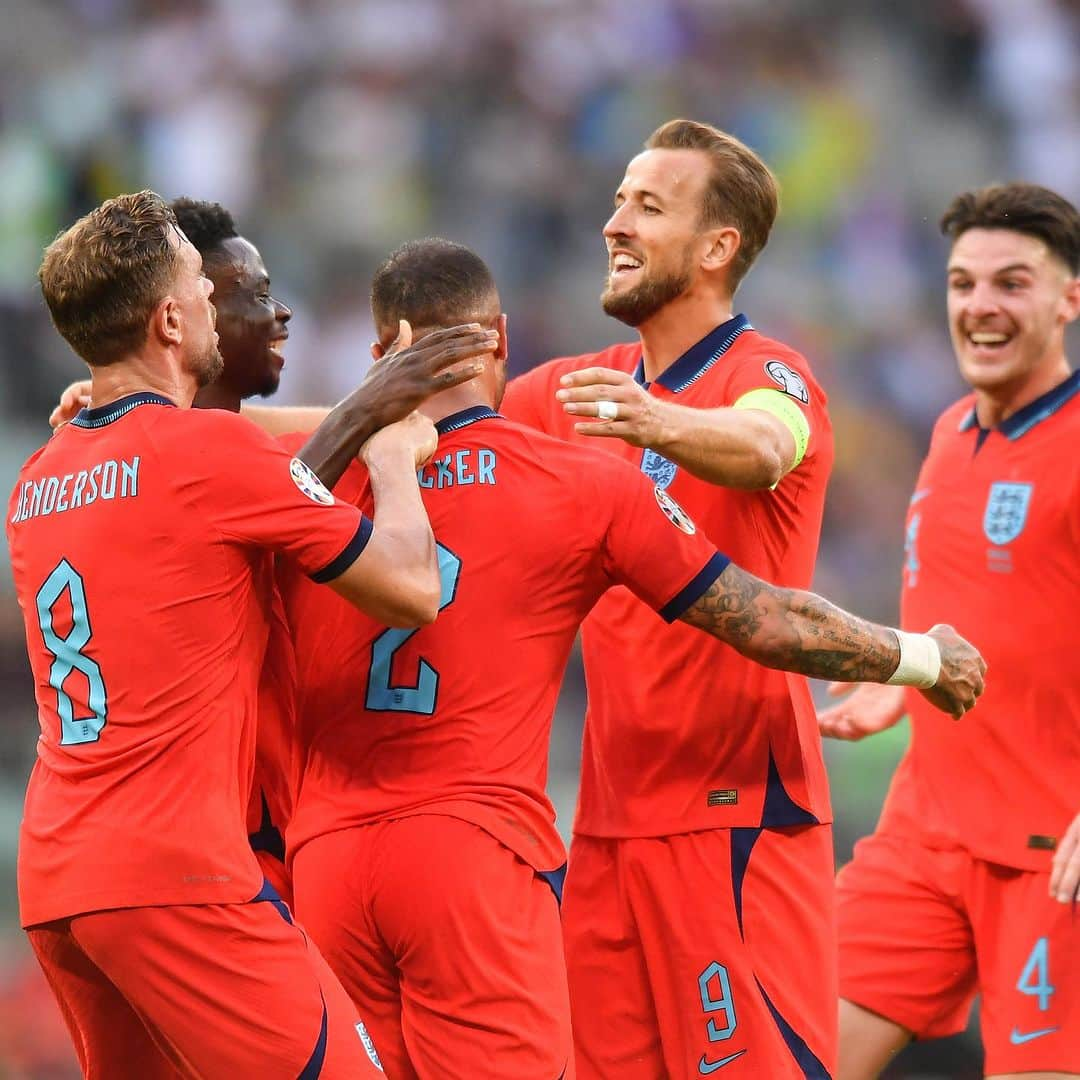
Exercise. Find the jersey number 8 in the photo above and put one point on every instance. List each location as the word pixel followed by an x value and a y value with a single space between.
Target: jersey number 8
pixel 68 656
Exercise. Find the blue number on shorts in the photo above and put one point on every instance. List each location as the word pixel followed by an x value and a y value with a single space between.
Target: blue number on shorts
pixel 421 697
pixel 721 1002
pixel 1035 978
pixel 68 656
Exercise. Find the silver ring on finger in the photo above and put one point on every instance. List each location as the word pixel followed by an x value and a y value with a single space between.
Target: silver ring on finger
pixel 607 410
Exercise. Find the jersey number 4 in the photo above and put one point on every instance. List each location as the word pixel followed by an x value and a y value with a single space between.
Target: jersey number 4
pixel 68 657
pixel 421 697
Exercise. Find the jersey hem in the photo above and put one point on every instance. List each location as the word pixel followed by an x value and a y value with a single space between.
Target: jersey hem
pixel 72 907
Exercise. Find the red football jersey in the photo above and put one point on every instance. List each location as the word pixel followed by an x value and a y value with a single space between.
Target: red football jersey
pixel 993 548
pixel 455 718
pixel 274 782
pixel 139 539
pixel 682 733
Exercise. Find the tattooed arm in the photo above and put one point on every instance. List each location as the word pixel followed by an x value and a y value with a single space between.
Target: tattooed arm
pixel 799 631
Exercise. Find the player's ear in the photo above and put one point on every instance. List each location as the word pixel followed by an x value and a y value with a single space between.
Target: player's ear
pixel 166 322
pixel 723 245
pixel 502 351
pixel 1070 300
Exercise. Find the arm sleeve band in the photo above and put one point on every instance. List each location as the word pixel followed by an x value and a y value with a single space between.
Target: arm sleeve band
pixel 785 410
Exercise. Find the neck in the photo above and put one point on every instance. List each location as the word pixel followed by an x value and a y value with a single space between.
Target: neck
pixel 467 396
pixel 679 325
pixel 217 396
pixel 996 405
pixel 141 373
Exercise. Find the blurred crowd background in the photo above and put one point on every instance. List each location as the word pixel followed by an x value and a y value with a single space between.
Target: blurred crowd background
pixel 335 129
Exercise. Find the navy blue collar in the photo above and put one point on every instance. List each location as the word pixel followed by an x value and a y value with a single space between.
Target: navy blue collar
pixel 464 418
pixel 106 414
pixel 698 358
pixel 1034 412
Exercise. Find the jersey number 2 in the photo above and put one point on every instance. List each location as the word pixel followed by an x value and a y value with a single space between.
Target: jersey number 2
pixel 421 698
pixel 68 656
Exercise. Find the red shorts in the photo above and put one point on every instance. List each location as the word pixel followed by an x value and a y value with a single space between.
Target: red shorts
pixel 688 954
pixel 448 943
pixel 923 930
pixel 215 991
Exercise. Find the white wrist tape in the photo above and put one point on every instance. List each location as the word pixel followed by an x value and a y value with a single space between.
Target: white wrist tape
pixel 920 661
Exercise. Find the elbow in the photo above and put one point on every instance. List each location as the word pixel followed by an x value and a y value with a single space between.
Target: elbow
pixel 764 470
pixel 770 469
pixel 416 605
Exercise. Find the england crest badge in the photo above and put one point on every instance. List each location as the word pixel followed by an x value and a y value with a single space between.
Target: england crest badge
pixel 1006 511
pixel 658 469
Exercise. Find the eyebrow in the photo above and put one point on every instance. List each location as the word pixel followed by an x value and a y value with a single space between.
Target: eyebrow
pixel 1011 268
pixel 642 194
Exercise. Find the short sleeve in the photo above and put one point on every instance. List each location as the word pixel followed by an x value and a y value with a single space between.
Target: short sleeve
pixel 653 547
pixel 254 492
pixel 784 371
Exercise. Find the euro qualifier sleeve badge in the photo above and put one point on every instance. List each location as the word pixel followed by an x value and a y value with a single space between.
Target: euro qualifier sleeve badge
pixel 1006 511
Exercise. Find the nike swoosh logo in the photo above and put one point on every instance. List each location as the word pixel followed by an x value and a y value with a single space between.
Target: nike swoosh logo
pixel 1018 1038
pixel 705 1066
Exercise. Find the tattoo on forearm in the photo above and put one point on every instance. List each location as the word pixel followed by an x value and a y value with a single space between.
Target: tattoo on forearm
pixel 794 630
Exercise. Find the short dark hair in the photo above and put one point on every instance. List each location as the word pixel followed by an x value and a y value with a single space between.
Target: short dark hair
pixel 1023 208
pixel 206 224
pixel 432 283
pixel 742 190
pixel 102 278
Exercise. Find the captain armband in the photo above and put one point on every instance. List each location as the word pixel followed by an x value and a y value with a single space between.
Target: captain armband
pixel 920 661
pixel 784 408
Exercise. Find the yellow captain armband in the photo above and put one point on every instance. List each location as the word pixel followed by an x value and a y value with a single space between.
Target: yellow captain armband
pixel 783 407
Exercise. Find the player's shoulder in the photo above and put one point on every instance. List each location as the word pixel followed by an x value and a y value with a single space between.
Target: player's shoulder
pixel 552 454
pixel 30 465
pixel 754 347
pixel 292 441
pixel 953 420
pixel 621 357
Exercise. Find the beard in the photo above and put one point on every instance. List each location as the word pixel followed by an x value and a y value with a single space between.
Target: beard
pixel 208 366
pixel 634 306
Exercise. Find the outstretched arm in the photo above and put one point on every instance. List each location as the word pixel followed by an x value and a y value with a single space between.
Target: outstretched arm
pixel 799 631
pixel 748 445
pixel 285 419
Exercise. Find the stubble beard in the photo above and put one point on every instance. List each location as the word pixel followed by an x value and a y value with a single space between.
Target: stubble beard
pixel 208 367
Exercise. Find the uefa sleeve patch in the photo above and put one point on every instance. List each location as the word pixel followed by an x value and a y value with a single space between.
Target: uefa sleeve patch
pixel 789 380
pixel 309 483
pixel 674 512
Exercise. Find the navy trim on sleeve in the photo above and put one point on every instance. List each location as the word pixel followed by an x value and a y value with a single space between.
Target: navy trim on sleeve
pixel 349 555
pixel 698 584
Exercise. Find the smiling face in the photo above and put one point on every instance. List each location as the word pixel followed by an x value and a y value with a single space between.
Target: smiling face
pixel 1009 300
pixel 655 238
pixel 252 325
